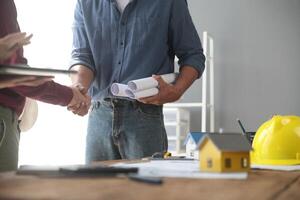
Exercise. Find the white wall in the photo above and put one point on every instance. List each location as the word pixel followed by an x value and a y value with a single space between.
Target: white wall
pixel 58 136
pixel 257 59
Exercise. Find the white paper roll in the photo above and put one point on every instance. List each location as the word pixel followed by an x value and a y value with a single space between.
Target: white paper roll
pixel 150 82
pixel 142 93
pixel 118 89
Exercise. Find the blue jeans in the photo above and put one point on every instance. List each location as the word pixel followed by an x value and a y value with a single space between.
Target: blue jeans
pixel 124 129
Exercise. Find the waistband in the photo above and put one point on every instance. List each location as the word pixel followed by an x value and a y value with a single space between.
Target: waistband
pixel 120 102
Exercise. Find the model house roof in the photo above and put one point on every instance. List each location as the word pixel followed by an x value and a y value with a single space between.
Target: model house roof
pixel 232 142
pixel 195 136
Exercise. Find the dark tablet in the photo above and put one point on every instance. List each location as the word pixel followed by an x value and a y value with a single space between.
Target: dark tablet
pixel 24 70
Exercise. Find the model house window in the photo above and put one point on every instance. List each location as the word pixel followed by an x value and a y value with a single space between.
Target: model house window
pixel 227 162
pixel 244 162
pixel 209 163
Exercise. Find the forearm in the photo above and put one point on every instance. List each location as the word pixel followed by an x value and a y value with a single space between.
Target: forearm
pixel 84 76
pixel 186 78
pixel 82 81
pixel 49 92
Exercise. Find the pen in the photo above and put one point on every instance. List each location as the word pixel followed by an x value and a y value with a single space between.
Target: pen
pixel 144 179
pixel 183 158
pixel 241 125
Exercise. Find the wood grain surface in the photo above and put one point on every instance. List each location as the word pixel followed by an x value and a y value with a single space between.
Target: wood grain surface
pixel 259 185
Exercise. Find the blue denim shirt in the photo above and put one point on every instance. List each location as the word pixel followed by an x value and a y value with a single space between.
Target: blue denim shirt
pixel 141 41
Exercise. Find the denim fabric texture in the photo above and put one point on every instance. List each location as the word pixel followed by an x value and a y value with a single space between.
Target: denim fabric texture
pixel 140 42
pixel 118 47
pixel 122 129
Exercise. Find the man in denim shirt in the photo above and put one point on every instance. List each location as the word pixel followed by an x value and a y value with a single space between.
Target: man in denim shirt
pixel 114 42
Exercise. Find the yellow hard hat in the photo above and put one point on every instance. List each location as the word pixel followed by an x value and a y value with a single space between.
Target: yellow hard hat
pixel 277 142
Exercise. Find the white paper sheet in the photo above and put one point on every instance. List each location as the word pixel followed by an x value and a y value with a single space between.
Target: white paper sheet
pixel 277 167
pixel 118 89
pixel 142 93
pixel 178 169
pixel 147 83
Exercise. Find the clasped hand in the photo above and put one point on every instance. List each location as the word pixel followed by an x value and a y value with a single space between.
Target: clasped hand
pixel 80 102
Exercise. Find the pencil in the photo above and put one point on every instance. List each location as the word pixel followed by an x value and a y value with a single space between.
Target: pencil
pixel 241 125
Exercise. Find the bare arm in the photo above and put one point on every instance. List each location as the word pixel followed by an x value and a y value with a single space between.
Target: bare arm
pixel 186 45
pixel 83 78
pixel 186 78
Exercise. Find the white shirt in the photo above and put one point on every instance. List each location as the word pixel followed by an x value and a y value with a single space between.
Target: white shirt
pixel 122 4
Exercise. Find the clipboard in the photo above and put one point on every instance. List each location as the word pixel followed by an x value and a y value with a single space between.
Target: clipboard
pixel 24 70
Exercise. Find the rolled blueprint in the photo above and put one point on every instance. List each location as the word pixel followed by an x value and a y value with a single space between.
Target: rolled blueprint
pixel 142 93
pixel 150 82
pixel 118 89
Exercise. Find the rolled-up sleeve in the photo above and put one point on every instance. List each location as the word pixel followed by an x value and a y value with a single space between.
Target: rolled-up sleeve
pixel 81 51
pixel 184 38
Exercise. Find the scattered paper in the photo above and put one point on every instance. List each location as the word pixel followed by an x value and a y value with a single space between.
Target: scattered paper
pixel 277 167
pixel 178 169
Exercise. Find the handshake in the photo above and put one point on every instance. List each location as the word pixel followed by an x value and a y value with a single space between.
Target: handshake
pixel 80 102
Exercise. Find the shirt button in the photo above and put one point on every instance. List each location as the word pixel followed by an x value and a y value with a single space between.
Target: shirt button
pixel 122 43
pixel 119 62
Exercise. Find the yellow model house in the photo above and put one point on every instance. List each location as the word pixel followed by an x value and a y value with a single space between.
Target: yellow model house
pixel 224 153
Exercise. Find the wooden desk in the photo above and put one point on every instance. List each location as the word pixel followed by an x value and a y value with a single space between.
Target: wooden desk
pixel 259 185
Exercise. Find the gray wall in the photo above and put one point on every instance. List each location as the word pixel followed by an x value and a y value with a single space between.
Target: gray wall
pixel 257 58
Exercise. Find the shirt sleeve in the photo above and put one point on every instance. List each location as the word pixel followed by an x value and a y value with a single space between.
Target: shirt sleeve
pixel 49 92
pixel 81 51
pixel 184 38
pixel 8 25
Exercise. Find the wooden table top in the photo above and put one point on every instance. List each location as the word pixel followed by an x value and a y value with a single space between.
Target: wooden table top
pixel 259 185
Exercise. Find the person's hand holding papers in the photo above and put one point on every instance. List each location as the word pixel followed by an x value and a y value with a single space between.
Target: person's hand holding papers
pixel 167 93
pixel 12 42
pixel 170 93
